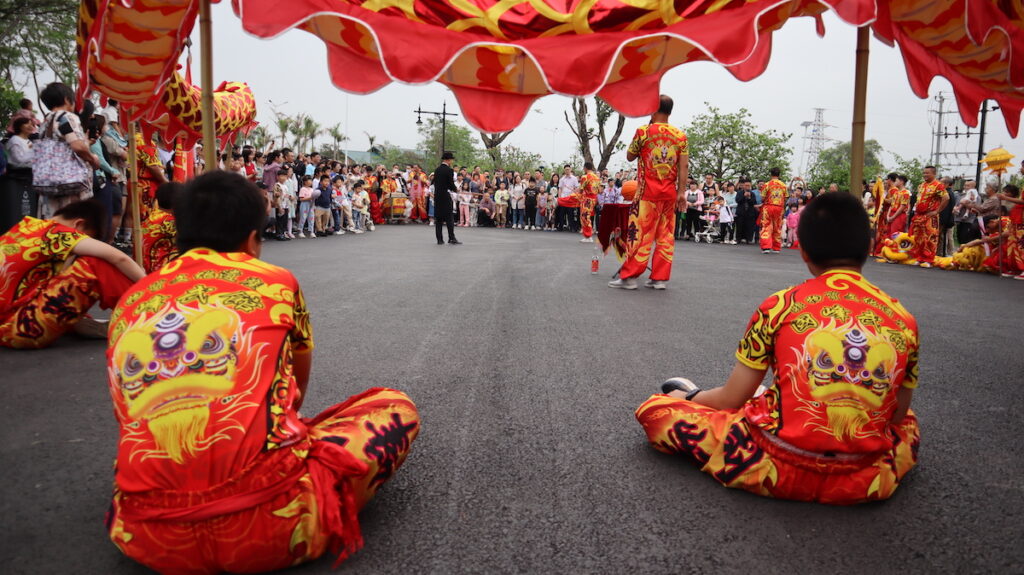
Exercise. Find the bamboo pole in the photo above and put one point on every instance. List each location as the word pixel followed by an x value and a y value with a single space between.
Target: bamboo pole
pixel 134 195
pixel 210 147
pixel 860 93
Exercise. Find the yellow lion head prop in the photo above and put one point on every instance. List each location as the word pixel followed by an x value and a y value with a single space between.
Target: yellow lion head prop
pixel 898 249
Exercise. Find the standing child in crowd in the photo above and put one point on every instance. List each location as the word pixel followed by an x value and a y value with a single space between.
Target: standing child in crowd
pixel 322 206
pixel 281 202
pixel 552 208
pixel 306 207
pixel 725 220
pixel 792 222
pixel 541 219
pixel 465 197
pixel 338 194
pixel 501 199
pixel 530 201
pixel 360 206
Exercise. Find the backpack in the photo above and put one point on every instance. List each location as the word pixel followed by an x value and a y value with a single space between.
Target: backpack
pixel 691 197
pixel 56 170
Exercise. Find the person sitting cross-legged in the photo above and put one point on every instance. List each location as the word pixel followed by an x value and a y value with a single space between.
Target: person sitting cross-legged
pixel 52 273
pixel 834 425
pixel 208 365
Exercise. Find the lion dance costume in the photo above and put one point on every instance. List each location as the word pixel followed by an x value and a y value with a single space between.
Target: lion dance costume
pixel 839 349
pixel 652 217
pixel 216 471
pixel 590 184
pixel 159 237
pixel 924 228
pixel 773 200
pixel 42 295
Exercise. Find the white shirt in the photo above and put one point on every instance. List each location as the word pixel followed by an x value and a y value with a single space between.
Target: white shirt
pixel 19 152
pixel 567 185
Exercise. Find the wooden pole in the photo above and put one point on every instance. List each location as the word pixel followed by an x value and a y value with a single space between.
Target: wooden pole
pixel 210 147
pixel 134 195
pixel 860 93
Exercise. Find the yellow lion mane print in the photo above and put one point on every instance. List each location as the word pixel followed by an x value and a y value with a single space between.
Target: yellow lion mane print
pixel 847 372
pixel 179 369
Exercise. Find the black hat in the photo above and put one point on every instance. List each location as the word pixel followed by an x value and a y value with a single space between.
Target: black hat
pixel 448 155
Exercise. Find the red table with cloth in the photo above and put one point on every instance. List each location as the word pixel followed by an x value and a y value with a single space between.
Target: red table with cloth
pixel 614 218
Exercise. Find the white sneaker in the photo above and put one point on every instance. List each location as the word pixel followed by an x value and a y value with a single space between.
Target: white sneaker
pixel 654 284
pixel 584 240
pixel 302 235
pixel 623 283
pixel 339 233
pixel 358 231
pixel 372 228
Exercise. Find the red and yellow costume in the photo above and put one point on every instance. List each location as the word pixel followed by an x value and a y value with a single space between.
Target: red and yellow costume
pixel 773 200
pixel 1015 246
pixel 418 184
pixel 652 217
pixel 159 237
pixel 1005 257
pixel 881 224
pixel 42 296
pixel 590 185
pixel 216 470
pixel 376 213
pixel 146 158
pixel 839 349
pixel 924 228
pixel 900 198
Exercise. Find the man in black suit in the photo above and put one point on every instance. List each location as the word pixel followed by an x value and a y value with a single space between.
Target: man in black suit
pixel 444 182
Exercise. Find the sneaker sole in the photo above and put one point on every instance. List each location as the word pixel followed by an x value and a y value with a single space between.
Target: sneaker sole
pixel 626 287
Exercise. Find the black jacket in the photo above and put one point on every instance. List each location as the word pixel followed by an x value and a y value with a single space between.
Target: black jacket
pixel 444 181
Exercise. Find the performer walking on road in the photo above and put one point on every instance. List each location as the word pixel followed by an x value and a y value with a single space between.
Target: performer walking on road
pixel 444 184
pixel 773 200
pixel 662 172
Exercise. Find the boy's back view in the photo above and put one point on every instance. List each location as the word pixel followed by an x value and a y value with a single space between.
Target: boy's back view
pixel 834 426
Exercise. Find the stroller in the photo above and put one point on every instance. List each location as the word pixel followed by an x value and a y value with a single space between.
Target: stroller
pixel 711 229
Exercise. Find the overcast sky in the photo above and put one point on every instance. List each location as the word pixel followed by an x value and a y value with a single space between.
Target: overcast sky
pixel 805 72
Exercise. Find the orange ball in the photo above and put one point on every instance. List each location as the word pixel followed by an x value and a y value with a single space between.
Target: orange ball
pixel 629 190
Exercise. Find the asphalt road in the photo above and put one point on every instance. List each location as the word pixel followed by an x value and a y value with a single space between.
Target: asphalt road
pixel 527 369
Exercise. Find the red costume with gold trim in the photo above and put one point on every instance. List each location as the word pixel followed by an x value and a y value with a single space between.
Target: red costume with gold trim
pixel 881 223
pixel 159 240
pixel 42 295
pixel 146 158
pixel 216 470
pixel 418 184
pixel 590 185
pixel 652 217
pixel 900 199
pixel 773 200
pixel 839 350
pixel 924 228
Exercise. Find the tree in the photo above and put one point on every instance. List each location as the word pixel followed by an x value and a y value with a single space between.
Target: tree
pixel 492 142
pixel 39 36
pixel 337 136
pixel 515 159
pixel 9 99
pixel 284 125
pixel 912 168
pixel 730 146
pixel 458 138
pixel 374 147
pixel 833 165
pixel 311 130
pixel 579 124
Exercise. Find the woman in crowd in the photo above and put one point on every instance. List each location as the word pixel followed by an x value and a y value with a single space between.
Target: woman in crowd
pixel 518 202
pixel 16 183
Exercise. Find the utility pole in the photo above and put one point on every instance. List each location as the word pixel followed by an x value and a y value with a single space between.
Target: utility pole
pixel 444 113
pixel 937 146
pixel 981 145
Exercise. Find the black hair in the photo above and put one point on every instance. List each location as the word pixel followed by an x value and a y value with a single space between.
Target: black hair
pixel 588 165
pixel 285 151
pixel 930 167
pixel 892 176
pixel 19 122
pixel 1011 190
pixel 56 94
pixel 834 231
pixel 273 156
pixel 307 179
pixel 24 103
pixel 218 210
pixel 338 179
pixel 665 105
pixel 91 211
pixel 775 172
pixel 166 193
pixel 902 177
pixel 567 166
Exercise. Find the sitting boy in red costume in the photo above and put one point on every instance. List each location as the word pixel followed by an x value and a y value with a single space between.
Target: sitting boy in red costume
pixel 52 272
pixel 208 366
pixel 834 426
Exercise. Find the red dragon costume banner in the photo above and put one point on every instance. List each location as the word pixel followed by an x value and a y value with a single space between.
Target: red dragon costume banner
pixel 500 56
pixel 129 50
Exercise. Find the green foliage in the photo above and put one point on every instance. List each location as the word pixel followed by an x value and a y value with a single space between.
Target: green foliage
pixel 9 98
pixel 39 41
pixel 833 165
pixel 458 138
pixel 912 168
pixel 730 146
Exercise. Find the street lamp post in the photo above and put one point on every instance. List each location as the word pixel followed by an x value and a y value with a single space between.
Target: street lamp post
pixel 444 113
